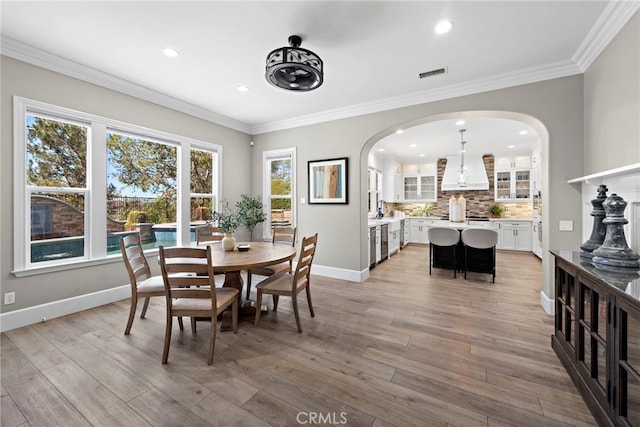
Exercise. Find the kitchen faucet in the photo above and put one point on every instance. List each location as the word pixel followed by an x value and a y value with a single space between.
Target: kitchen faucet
pixel 380 209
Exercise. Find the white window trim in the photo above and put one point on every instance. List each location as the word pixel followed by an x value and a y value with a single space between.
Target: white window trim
pixel 266 185
pixel 96 221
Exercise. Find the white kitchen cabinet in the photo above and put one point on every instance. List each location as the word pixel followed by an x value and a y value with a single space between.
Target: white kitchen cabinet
pixel 419 228
pixel 394 237
pixel 513 178
pixel 536 169
pixel 514 235
pixel 420 182
pixel 536 237
pixel 392 181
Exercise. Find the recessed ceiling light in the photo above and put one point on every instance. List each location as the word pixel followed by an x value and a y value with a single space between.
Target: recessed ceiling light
pixel 380 149
pixel 524 132
pixel 421 155
pixel 399 131
pixel 242 88
pixel 413 146
pixel 460 123
pixel 443 27
pixel 172 53
pixel 511 146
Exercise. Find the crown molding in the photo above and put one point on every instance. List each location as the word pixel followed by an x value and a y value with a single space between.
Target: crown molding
pixel 31 55
pixel 501 81
pixel 614 17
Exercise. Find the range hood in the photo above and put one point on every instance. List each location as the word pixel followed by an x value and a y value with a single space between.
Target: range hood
pixel 473 165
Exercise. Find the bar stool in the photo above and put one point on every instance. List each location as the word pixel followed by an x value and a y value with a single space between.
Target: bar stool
pixel 480 251
pixel 442 248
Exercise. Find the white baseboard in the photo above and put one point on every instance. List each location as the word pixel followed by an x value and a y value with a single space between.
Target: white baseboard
pixel 30 315
pixel 547 304
pixel 340 273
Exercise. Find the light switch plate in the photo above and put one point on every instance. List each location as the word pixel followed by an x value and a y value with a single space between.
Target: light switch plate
pixel 302 201
pixel 566 225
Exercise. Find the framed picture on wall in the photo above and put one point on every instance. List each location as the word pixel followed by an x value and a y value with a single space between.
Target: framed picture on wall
pixel 328 181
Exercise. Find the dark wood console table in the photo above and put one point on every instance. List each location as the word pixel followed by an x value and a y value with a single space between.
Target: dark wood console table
pixel 597 336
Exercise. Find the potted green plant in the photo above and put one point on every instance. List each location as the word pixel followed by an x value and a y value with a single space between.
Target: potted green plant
pixel 250 212
pixel 228 222
pixel 426 209
pixel 496 211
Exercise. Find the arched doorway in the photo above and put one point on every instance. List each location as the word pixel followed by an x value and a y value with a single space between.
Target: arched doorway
pixel 527 122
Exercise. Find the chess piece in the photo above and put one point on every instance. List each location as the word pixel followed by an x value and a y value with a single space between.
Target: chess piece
pixel 614 251
pixel 599 230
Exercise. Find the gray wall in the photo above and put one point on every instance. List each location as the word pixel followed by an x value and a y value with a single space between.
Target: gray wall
pixel 580 116
pixel 612 103
pixel 21 79
pixel 557 104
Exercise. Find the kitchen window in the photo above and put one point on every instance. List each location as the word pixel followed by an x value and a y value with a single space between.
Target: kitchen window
pixel 374 177
pixel 279 186
pixel 82 181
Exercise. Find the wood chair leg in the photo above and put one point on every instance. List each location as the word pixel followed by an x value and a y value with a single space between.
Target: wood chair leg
pixel 248 283
pixel 309 301
pixel 234 315
pixel 144 307
pixel 275 302
pixel 180 324
pixel 294 301
pixel 212 338
pixel 132 314
pixel 167 340
pixel 258 305
pixel 193 324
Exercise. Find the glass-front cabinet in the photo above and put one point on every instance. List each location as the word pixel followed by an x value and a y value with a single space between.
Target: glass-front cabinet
pixel 626 364
pixel 513 178
pixel 420 182
pixel 597 336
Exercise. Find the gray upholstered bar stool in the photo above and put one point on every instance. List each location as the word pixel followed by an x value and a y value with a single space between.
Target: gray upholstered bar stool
pixel 480 251
pixel 443 242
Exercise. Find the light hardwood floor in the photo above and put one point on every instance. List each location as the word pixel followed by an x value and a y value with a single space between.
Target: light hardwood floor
pixel 402 349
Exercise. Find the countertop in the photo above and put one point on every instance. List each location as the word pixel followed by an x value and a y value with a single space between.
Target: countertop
pixel 469 223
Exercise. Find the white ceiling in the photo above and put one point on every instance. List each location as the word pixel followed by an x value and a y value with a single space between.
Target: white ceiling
pixel 372 51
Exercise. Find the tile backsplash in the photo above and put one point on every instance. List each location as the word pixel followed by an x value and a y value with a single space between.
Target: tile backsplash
pixel 478 201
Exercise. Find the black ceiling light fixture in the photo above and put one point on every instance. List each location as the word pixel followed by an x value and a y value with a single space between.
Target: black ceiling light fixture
pixel 294 68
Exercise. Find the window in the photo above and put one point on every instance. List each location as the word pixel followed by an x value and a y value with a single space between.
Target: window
pixel 203 175
pixel 374 189
pixel 141 190
pixel 279 188
pixel 82 181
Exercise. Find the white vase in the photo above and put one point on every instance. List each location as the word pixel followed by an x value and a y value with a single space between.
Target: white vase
pixel 228 242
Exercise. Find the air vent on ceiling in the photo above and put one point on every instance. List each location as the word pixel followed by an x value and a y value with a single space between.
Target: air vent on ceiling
pixel 435 72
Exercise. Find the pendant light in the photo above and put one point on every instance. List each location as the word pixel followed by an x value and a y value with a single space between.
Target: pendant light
pixel 462 176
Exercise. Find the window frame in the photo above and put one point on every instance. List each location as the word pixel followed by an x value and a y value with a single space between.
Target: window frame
pixel 267 157
pixel 96 186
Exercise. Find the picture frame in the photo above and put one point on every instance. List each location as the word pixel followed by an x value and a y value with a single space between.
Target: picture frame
pixel 327 181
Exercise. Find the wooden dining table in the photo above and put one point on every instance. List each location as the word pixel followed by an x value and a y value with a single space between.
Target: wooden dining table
pixel 231 263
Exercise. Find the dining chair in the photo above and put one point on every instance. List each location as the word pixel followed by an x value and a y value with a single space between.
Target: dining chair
pixel 143 284
pixel 480 251
pixel 443 242
pixel 288 284
pixel 208 234
pixel 281 235
pixel 194 296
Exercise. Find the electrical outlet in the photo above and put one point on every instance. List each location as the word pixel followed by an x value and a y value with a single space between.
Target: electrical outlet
pixel 566 225
pixel 9 298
